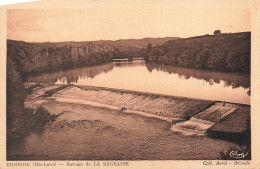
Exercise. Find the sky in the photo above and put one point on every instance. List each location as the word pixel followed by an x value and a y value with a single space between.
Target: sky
pixel 112 20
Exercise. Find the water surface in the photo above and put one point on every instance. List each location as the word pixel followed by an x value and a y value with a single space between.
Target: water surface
pixel 85 132
pixel 170 80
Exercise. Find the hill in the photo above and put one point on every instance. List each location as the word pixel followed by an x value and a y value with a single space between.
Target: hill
pixel 224 52
pixel 28 58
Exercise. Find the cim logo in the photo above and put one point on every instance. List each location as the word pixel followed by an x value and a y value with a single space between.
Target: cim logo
pixel 236 154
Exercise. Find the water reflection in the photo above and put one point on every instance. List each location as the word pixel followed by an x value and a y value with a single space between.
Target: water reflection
pixel 72 76
pixel 139 76
pixel 234 80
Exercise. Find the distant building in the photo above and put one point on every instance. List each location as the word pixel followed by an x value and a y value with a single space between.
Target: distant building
pixel 217 32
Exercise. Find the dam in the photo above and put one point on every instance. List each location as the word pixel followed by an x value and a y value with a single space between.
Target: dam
pixel 105 123
pixel 187 115
pixel 194 101
pixel 136 111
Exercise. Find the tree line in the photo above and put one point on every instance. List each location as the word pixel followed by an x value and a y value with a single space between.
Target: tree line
pixel 221 52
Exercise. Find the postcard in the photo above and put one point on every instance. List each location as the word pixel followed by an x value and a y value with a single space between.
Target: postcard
pixel 130 84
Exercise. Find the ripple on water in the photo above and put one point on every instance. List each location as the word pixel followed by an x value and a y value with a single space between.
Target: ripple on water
pixel 102 134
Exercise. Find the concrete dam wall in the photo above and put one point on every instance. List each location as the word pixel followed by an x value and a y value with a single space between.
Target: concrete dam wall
pixel 187 116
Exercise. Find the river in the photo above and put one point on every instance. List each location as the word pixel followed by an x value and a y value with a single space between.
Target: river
pixel 140 76
pixel 87 132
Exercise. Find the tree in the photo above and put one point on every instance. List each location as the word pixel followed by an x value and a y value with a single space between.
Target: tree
pixel 149 48
pixel 217 32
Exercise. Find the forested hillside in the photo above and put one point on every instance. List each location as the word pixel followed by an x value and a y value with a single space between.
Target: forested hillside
pixel 38 57
pixel 223 52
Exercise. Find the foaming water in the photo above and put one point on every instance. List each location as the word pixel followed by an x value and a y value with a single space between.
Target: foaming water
pixel 91 133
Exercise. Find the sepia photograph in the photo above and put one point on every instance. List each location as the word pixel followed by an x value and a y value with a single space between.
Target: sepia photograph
pixel 151 81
